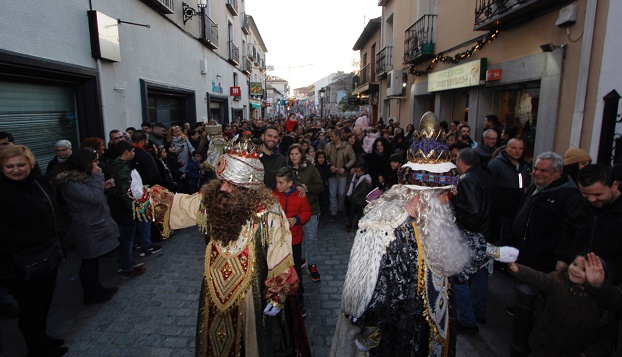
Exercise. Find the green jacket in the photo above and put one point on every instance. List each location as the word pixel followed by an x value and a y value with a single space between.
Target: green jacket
pixel 308 174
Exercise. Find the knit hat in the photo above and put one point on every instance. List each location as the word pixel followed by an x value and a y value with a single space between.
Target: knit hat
pixel 240 165
pixel 429 163
pixel 576 155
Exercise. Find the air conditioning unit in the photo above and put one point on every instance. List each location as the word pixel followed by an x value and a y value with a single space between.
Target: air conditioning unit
pixel 394 83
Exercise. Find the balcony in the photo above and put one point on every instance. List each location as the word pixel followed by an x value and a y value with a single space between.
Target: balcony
pixel 251 51
pixel 504 14
pixel 365 81
pixel 234 53
pixel 232 5
pixel 419 40
pixel 383 2
pixel 262 64
pixel 245 27
pixel 384 61
pixel 247 67
pixel 210 32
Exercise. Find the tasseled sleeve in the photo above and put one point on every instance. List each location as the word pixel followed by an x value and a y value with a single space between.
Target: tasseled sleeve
pixel 282 279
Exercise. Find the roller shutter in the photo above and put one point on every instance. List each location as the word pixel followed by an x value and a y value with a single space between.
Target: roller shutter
pixel 38 115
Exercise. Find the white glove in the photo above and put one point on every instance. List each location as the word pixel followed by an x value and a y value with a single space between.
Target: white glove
pixel 360 346
pixel 271 310
pixel 502 254
pixel 137 185
pixel 507 254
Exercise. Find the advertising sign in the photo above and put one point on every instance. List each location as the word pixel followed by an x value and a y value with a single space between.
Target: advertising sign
pixel 461 76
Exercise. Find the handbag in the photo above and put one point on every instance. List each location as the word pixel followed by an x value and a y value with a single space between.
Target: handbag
pixel 39 262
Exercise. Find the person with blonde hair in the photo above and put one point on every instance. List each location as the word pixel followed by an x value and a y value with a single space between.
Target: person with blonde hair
pixel 30 248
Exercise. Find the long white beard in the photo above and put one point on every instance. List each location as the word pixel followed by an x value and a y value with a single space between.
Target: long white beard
pixel 445 251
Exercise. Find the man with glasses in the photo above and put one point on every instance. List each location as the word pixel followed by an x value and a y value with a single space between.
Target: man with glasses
pixel 549 215
pixel 487 148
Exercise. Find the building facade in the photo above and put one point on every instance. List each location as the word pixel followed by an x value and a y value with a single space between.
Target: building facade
pixel 81 71
pixel 538 65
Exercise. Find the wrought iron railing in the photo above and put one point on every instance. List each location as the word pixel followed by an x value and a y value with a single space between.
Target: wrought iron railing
pixel 234 52
pixel 210 31
pixel 419 39
pixel 245 27
pixel 496 14
pixel 251 51
pixel 384 60
pixel 247 66
pixel 364 75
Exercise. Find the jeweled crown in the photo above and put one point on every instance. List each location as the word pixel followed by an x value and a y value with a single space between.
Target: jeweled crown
pixel 429 146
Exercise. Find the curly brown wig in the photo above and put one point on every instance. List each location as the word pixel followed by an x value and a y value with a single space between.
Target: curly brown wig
pixel 228 212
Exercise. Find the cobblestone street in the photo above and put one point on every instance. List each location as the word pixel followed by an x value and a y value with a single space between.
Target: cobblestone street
pixel 155 315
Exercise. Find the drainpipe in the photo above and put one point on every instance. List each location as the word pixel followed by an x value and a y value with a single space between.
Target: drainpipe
pixel 584 68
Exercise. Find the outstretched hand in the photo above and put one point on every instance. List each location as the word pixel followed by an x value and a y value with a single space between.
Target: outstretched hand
pixel 594 271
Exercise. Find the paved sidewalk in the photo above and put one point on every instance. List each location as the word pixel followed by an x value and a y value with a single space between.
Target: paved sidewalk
pixel 155 314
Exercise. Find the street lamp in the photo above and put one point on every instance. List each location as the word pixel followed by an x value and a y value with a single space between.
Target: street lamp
pixel 322 93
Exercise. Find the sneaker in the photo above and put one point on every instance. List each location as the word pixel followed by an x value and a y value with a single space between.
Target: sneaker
pixel 151 250
pixel 136 246
pixel 134 265
pixel 134 272
pixel 315 276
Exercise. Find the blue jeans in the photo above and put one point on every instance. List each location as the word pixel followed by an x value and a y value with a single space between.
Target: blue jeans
pixel 471 298
pixel 126 241
pixel 310 238
pixel 337 188
pixel 144 229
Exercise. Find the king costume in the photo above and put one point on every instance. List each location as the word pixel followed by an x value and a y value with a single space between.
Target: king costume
pixel 242 277
pixel 396 295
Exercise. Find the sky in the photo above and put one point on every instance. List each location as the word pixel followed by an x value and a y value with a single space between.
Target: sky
pixel 308 40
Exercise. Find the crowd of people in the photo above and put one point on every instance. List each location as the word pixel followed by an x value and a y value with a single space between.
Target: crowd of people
pixel 554 209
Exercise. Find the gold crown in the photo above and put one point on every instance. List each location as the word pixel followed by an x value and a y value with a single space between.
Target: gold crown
pixel 428 146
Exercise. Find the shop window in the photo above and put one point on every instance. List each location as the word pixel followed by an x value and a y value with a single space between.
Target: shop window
pixel 518 111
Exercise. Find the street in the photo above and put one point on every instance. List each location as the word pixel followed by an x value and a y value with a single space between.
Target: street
pixel 155 314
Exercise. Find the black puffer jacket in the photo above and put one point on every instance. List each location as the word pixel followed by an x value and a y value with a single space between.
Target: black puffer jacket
pixel 547 222
pixel 602 236
pixel 28 217
pixel 475 204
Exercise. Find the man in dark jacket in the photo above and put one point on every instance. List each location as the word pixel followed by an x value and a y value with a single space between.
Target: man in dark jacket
pixel 509 171
pixel 270 158
pixel 475 207
pixel 549 216
pixel 150 174
pixel 604 209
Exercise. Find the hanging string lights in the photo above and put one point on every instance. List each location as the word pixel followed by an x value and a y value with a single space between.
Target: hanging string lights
pixel 458 57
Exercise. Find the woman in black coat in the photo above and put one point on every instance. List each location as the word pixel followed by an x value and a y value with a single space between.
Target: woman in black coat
pixel 29 219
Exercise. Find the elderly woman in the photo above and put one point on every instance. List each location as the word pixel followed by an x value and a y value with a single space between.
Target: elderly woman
pixel 29 226
pixel 93 230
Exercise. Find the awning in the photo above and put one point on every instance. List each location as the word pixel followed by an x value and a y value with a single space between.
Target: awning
pixel 255 105
pixel 366 88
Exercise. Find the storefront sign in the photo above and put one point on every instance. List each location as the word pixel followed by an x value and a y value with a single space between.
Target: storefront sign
pixel 255 88
pixel 464 75
pixel 255 103
pixel 493 75
pixel 235 91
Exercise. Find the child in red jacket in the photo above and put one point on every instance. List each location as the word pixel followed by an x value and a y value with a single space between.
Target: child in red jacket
pixel 298 213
